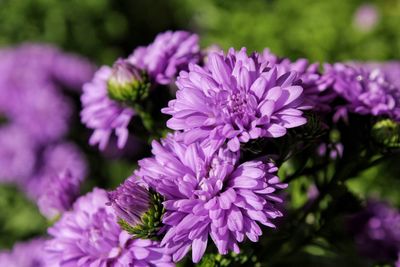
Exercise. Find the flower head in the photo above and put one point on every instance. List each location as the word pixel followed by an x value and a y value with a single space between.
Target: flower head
pixel 17 155
pixel 102 114
pixel 60 192
pixel 90 236
pixel 235 98
pixel 210 194
pixel 61 167
pixel 30 89
pixel 25 254
pixel 167 55
pixel 377 231
pixel 366 91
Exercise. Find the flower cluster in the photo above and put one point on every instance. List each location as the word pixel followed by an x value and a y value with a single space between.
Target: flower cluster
pixel 377 231
pixel 36 116
pixel 366 90
pixel 25 254
pixel 211 185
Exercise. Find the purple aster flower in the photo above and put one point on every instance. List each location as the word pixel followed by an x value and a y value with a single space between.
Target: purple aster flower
pixel 72 71
pixel 130 201
pixel 25 254
pixel 28 91
pixel 366 91
pixel 210 194
pixel 17 155
pixel 316 91
pixel 53 65
pixel 103 114
pixel 167 55
pixel 59 194
pixel 366 17
pixel 235 98
pixel 64 156
pixel 390 69
pixel 90 236
pixel 56 183
pixel 377 231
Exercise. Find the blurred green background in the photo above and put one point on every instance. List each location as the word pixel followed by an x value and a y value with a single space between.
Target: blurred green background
pixel 323 30
pixel 103 30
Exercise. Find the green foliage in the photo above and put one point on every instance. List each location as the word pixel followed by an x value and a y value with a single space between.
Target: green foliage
pixel 231 259
pixel 19 218
pixel 100 29
pixel 319 30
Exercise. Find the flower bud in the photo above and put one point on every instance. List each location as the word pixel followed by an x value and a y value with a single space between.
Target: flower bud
pixel 387 133
pixel 138 209
pixel 127 83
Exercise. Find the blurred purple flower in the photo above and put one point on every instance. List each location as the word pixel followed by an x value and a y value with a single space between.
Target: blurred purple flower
pixel 366 91
pixel 316 91
pixel 366 17
pixel 210 194
pixel 390 69
pixel 235 98
pixel 56 183
pixel 17 155
pixel 25 254
pixel 30 93
pixel 59 194
pixel 170 53
pixel 90 236
pixel 377 231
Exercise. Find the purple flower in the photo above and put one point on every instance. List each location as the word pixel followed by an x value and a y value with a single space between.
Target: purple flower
pixel 90 236
pixel 56 183
pixel 26 254
pixel 63 156
pixel 390 69
pixel 377 231
pixel 316 91
pixel 235 98
pixel 210 194
pixel 59 194
pixel 103 114
pixel 366 91
pixel 72 71
pixel 366 17
pixel 30 89
pixel 17 155
pixel 130 201
pixel 167 55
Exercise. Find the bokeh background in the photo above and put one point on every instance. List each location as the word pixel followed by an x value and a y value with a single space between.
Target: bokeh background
pixel 103 30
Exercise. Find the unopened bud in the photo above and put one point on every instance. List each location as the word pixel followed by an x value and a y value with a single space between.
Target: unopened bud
pixel 127 83
pixel 139 210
